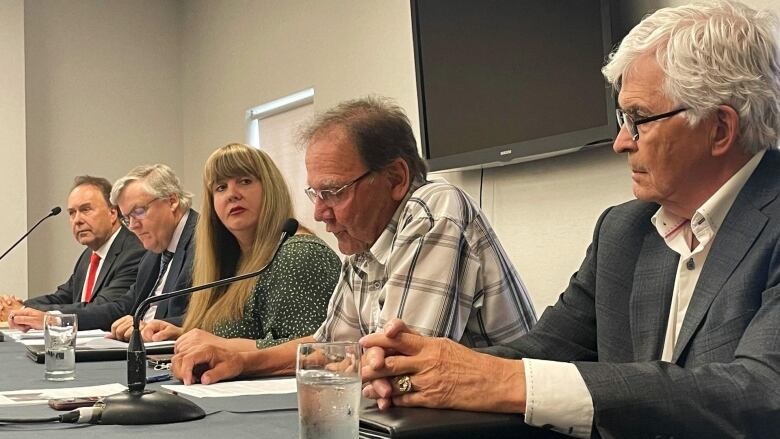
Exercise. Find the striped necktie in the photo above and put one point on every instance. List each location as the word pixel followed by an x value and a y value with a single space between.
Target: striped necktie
pixel 164 261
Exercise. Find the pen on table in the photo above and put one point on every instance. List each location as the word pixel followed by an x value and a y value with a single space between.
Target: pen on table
pixel 158 378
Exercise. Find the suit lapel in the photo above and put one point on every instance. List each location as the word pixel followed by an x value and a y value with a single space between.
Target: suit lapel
pixel 740 229
pixel 151 279
pixel 177 263
pixel 651 296
pixel 81 275
pixel 170 282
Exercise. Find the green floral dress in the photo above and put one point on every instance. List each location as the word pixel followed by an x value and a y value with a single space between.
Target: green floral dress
pixel 290 300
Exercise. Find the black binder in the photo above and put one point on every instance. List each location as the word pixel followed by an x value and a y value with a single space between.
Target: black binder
pixel 37 353
pixel 419 423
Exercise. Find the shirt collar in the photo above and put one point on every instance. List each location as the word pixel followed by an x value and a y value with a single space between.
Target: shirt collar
pixel 103 250
pixel 712 213
pixel 177 233
pixel 380 250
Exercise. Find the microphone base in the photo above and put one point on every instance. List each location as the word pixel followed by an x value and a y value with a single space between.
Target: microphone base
pixel 148 407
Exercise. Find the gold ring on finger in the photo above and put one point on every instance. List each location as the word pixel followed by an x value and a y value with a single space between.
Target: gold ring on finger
pixel 403 383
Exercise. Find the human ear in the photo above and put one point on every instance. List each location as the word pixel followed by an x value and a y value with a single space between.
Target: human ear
pixel 726 130
pixel 398 175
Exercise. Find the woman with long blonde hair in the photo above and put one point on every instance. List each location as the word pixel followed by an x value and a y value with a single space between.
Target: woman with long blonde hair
pixel 245 204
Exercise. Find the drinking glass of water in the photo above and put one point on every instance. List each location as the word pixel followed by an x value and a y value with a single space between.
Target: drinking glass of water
pixel 328 376
pixel 59 331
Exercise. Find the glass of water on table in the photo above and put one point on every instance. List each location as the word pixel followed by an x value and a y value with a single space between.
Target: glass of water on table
pixel 328 376
pixel 59 331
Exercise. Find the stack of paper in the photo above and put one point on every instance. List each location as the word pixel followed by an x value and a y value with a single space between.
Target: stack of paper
pixel 110 343
pixel 236 388
pixel 35 336
pixel 42 396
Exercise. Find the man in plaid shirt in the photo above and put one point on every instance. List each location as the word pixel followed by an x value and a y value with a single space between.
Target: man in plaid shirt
pixel 419 251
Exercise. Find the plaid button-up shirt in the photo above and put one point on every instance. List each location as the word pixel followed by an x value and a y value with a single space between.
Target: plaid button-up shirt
pixel 439 267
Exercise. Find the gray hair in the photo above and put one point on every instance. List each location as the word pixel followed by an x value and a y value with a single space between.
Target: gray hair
pixel 378 127
pixel 158 180
pixel 713 53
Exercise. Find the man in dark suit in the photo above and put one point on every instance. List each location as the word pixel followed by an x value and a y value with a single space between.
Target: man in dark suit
pixel 106 268
pixel 158 210
pixel 671 327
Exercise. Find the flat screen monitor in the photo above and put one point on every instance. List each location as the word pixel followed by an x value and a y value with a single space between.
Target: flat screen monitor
pixel 504 81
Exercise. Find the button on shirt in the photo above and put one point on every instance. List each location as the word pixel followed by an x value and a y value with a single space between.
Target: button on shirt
pixel 438 266
pixel 556 394
pixel 102 252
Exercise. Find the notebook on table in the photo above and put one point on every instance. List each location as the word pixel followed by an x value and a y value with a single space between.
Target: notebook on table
pixel 87 353
pixel 419 423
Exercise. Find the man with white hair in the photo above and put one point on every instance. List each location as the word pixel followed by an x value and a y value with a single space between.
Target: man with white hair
pixel 158 210
pixel 671 327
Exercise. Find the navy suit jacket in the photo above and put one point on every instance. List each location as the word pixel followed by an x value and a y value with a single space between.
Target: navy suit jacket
pixel 118 272
pixel 179 276
pixel 724 378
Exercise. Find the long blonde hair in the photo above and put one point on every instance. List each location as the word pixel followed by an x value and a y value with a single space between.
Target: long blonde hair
pixel 217 253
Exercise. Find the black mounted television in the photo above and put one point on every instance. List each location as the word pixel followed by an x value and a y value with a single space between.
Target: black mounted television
pixel 506 81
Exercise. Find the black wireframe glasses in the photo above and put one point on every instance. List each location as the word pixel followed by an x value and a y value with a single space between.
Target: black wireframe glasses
pixel 137 214
pixel 624 118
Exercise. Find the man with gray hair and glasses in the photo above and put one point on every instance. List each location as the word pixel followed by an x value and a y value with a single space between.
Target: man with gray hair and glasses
pixel 671 326
pixel 158 210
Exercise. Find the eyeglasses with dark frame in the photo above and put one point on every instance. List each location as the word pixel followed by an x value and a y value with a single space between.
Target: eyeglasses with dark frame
pixel 138 213
pixel 624 118
pixel 330 197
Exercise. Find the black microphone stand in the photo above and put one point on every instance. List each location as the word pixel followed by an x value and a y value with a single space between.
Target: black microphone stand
pixel 137 406
pixel 54 211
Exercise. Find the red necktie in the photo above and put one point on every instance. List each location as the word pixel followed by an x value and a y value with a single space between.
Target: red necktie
pixel 94 261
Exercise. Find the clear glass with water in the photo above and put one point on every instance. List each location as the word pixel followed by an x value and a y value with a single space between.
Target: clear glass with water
pixel 328 376
pixel 60 332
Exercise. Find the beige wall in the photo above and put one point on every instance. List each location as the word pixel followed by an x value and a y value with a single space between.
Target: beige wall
pixel 241 53
pixel 13 181
pixel 103 95
pixel 115 83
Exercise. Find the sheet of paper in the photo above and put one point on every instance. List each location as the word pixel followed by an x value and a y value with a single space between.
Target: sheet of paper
pixel 37 334
pixel 9 334
pixel 16 335
pixel 110 343
pixel 42 396
pixel 39 342
pixel 236 388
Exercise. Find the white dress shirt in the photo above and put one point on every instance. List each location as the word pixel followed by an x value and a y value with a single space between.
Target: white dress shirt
pixel 102 252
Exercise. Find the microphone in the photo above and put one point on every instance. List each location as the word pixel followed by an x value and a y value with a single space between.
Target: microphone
pixel 55 211
pixel 137 406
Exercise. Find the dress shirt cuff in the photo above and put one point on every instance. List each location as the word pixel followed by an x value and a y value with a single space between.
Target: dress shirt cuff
pixel 557 398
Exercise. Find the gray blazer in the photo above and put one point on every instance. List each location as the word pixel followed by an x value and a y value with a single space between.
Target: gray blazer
pixel 724 380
